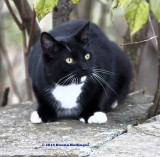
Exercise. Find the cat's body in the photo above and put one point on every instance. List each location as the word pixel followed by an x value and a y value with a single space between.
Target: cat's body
pixel 78 73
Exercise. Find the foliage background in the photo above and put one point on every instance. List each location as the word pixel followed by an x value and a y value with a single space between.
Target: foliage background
pixel 97 11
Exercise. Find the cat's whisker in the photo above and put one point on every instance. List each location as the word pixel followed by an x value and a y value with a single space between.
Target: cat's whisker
pixel 77 80
pixel 46 91
pixel 100 78
pixel 64 78
pixel 103 81
pixel 72 80
pixel 93 79
pixel 68 79
pixel 103 71
pixel 99 81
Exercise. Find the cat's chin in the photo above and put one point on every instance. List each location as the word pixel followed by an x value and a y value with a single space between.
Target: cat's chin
pixel 83 79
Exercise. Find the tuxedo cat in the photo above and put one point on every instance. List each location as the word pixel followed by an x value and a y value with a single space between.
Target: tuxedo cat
pixel 77 73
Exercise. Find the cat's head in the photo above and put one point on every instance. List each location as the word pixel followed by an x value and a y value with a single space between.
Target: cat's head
pixel 68 59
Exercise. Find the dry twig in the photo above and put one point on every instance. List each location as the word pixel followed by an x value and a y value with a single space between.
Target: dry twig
pixel 26 49
pixel 139 42
pixel 5 97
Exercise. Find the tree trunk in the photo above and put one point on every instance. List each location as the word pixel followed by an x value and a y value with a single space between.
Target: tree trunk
pixel 28 24
pixel 1 78
pixel 104 10
pixel 85 9
pixel 1 66
pixel 156 107
pixel 134 51
pixel 26 14
pixel 62 12
pixel 10 69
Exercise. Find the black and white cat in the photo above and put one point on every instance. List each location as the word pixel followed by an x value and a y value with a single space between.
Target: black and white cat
pixel 77 73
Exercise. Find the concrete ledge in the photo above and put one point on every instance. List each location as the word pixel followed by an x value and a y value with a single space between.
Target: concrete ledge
pixel 19 136
pixel 141 141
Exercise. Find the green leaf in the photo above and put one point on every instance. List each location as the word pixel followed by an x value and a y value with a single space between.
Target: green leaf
pixel 155 7
pixel 137 15
pixel 43 7
pixel 75 1
pixel 125 3
pixel 129 127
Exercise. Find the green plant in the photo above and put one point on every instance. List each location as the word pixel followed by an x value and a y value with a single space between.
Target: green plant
pixel 43 7
pixel 137 12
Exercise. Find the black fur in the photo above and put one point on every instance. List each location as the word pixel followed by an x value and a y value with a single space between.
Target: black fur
pixel 74 39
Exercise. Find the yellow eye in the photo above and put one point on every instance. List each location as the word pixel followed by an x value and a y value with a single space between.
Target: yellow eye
pixel 87 56
pixel 69 60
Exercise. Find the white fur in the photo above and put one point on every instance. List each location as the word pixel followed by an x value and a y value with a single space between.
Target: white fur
pixel 82 120
pixel 83 78
pixel 67 95
pixel 98 117
pixel 114 105
pixel 35 117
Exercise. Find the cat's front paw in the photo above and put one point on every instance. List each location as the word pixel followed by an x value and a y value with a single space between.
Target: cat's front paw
pixel 98 117
pixel 35 117
pixel 82 120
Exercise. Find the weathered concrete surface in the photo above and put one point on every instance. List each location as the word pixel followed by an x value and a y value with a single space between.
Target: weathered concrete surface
pixel 141 141
pixel 18 136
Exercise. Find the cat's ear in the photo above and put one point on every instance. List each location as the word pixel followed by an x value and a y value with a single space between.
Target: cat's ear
pixel 83 34
pixel 50 46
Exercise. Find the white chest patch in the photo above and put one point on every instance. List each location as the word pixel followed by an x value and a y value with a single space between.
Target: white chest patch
pixel 67 95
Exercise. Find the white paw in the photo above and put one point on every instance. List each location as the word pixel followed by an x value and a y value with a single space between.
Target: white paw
pixel 114 105
pixel 98 117
pixel 35 117
pixel 82 120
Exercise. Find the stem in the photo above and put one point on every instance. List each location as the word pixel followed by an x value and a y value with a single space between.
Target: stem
pixel 26 53
pixel 157 97
pixel 62 12
pixel 31 33
pixel 5 97
pixel 21 27
pixel 137 92
pixel 139 42
pixel 156 107
pixel 26 15
pixel 10 71
pixel 150 21
pixel 27 80
pixel 5 53
pixel 26 50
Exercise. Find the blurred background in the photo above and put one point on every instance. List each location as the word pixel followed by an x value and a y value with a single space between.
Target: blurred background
pixel 144 56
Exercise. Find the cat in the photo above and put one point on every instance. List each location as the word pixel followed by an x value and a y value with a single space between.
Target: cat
pixel 77 73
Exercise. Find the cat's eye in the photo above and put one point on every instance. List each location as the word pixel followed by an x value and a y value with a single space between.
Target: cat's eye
pixel 87 56
pixel 69 60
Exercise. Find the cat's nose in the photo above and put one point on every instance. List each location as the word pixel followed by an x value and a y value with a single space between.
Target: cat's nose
pixel 85 71
pixel 84 67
